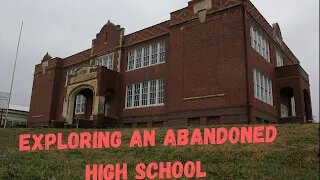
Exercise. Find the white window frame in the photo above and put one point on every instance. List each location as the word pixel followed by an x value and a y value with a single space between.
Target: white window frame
pixel 105 61
pixel 131 60
pixel 259 42
pixel 151 55
pixel 80 104
pixel 129 96
pixel 139 95
pixel 160 97
pixel 280 59
pixel 262 87
pixel 144 93
pixel 136 95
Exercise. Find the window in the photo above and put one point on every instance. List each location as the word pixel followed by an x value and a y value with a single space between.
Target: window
pixel 129 96
pixel 279 57
pixel 260 43
pixel 80 104
pixel 71 71
pixel 105 61
pixel 153 92
pixel 270 92
pixel 148 93
pixel 145 89
pixel 138 58
pixel 137 95
pixel 146 59
pixel 147 56
pixel 162 52
pixel 154 54
pixel 161 91
pixel 131 60
pixel 262 87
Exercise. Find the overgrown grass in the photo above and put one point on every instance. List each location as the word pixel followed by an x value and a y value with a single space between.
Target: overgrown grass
pixel 294 155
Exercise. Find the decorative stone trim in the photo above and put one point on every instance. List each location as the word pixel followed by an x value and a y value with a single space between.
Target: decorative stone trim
pixel 204 97
pixel 201 8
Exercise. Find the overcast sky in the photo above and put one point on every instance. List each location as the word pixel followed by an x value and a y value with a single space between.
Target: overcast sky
pixel 65 27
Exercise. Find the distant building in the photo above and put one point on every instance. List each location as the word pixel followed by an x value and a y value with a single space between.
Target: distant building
pixel 17 116
pixel 212 62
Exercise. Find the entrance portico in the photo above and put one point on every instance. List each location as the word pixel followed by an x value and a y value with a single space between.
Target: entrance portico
pixel 94 105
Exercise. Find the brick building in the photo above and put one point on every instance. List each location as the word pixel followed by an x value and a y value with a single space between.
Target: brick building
pixel 213 62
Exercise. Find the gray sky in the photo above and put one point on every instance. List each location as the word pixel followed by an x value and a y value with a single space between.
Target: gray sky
pixel 65 27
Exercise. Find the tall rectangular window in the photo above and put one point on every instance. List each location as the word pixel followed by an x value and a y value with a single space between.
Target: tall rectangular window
pixel 80 104
pixel 253 39
pixel 270 92
pixel 262 87
pixel 131 60
pixel 153 92
pixel 258 85
pixel 160 91
pixel 279 58
pixel 146 56
pixel 259 42
pixel 137 95
pixel 138 58
pixel 144 94
pixel 255 83
pixel 154 54
pixel 129 96
pixel 162 53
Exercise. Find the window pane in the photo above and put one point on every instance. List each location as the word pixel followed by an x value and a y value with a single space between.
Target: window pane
pixel 146 58
pixel 145 87
pixel 153 91
pixel 129 96
pixel 161 91
pixel 154 54
pixel 137 94
pixel 130 60
pixel 138 58
pixel 162 51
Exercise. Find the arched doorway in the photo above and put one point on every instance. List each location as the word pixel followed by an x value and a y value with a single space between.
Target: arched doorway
pixel 83 102
pixel 287 102
pixel 307 105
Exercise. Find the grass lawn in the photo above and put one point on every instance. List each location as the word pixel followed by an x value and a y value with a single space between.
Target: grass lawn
pixel 294 155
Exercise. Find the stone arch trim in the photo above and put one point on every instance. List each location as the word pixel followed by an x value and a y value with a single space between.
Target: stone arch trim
pixel 72 91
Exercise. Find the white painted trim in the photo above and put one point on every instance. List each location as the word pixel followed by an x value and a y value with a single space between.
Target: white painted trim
pixel 145 66
pixel 149 106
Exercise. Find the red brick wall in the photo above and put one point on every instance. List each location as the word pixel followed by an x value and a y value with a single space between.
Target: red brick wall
pixel 207 59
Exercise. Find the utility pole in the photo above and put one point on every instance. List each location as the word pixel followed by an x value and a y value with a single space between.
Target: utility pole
pixel 12 78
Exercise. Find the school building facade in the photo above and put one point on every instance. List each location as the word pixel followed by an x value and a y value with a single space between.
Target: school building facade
pixel 213 62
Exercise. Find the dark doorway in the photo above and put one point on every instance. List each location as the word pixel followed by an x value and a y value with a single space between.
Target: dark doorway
pixel 287 102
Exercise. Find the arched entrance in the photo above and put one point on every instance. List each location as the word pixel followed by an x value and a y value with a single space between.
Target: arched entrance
pixel 307 105
pixel 83 106
pixel 287 102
